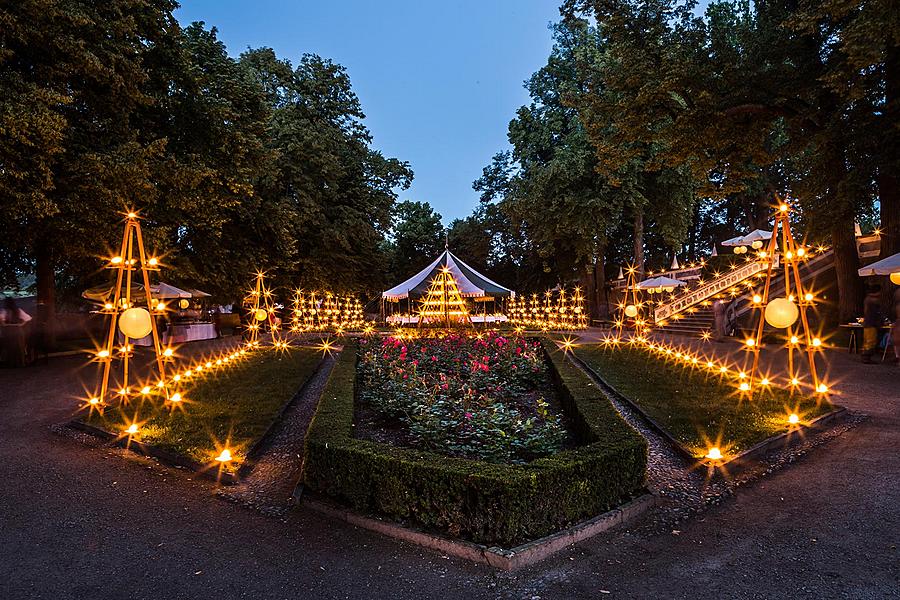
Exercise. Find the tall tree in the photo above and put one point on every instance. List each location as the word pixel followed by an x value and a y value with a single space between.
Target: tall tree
pixel 418 237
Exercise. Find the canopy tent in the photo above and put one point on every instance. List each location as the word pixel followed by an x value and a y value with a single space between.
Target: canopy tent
pixel 746 240
pixel 101 293
pixel 470 282
pixel 885 266
pixel 655 283
pixel 195 293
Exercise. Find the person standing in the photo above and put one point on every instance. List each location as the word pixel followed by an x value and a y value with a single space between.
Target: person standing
pixel 872 320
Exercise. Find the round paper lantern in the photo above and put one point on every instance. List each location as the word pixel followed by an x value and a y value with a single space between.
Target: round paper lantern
pixel 737 249
pixel 669 288
pixel 757 244
pixel 781 313
pixel 135 323
pixel 631 310
pixel 895 278
pixel 183 303
pixel 261 314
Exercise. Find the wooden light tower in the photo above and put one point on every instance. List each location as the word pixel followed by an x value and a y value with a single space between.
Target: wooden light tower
pixel 630 306
pixel 783 312
pixel 131 321
pixel 261 309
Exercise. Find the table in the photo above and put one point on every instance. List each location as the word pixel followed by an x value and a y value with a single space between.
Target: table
pixel 853 346
pixel 179 333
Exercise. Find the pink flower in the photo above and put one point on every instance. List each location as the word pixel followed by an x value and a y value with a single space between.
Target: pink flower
pixel 468 416
pixel 445 386
pixel 434 359
pixel 415 362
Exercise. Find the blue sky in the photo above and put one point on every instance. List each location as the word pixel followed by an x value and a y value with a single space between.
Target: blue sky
pixel 438 80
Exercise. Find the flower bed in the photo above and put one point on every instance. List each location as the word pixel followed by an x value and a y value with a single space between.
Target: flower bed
pixel 487 397
pixel 490 503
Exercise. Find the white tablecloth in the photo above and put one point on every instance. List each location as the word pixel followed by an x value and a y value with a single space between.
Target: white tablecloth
pixel 179 334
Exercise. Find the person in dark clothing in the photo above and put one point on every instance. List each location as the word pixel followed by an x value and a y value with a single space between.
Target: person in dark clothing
pixel 872 320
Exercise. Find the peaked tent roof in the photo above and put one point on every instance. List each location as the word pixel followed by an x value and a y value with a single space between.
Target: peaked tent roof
pixel 885 266
pixel 471 283
pixel 746 240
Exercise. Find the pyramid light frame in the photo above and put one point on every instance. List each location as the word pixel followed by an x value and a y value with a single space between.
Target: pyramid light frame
pixel 124 264
pixel 443 293
pixel 791 255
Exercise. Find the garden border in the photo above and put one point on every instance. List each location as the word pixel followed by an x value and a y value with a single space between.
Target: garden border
pixel 740 460
pixel 506 559
pixel 483 502
pixel 204 470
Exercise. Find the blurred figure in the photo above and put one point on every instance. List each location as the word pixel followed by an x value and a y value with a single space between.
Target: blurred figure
pixel 895 328
pixel 872 320
pixel 15 342
pixel 720 324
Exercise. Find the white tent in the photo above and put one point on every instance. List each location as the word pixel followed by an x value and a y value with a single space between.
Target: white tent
pixel 164 290
pixel 659 283
pixel 470 282
pixel 885 266
pixel 746 240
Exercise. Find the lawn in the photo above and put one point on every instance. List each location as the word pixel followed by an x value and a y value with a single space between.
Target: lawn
pixel 232 406
pixel 694 405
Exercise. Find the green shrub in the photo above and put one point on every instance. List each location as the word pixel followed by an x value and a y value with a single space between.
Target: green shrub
pixel 483 502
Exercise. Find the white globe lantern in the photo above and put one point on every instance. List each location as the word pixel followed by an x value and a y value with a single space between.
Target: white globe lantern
pixel 757 244
pixel 135 323
pixel 781 313
pixel 737 249
pixel 631 310
pixel 261 314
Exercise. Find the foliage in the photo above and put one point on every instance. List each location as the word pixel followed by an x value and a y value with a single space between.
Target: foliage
pixel 476 397
pixel 696 408
pixel 417 237
pixel 484 502
pixel 234 164
pixel 235 406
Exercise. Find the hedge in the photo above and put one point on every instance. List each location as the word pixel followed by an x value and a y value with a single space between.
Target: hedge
pixel 482 502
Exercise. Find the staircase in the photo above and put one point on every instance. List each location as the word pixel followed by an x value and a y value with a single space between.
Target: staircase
pixel 694 321
pixel 692 315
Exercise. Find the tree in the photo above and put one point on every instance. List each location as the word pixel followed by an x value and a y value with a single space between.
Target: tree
pixel 418 237
pixel 71 152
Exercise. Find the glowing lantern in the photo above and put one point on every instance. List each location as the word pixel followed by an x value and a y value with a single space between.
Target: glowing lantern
pixel 153 262
pixel 261 314
pixel 757 244
pixel 781 313
pixel 631 310
pixel 135 323
pixel 895 278
pixel 793 419
pixel 132 429
pixel 714 454
pixel 225 456
pixel 183 303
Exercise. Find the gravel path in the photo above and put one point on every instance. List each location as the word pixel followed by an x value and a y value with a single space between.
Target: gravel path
pixel 270 484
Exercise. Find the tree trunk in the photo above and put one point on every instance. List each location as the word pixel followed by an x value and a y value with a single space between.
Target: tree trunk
pixel 45 319
pixel 846 266
pixel 639 240
pixel 600 283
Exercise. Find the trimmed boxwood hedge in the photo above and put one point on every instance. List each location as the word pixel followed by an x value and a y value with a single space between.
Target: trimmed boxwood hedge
pixel 482 502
